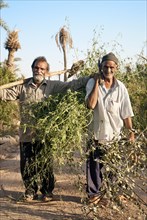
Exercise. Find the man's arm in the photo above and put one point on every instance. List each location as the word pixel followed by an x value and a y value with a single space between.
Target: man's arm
pixel 128 125
pixel 74 85
pixel 92 97
pixel 9 94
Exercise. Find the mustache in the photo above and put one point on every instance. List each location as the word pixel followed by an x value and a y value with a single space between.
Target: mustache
pixel 38 78
pixel 38 74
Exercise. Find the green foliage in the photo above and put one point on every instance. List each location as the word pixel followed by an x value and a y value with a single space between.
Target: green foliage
pixel 126 163
pixel 136 83
pixel 5 75
pixel 8 110
pixel 124 174
pixel 8 113
pixel 60 122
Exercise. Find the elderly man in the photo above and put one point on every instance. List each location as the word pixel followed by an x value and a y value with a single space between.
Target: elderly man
pixel 109 99
pixel 36 89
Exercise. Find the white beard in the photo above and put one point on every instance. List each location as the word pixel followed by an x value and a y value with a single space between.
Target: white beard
pixel 38 78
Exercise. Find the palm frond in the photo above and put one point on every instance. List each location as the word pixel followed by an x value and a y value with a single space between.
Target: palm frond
pixel 3 4
pixel 12 42
pixel 2 22
pixel 63 38
pixel 4 25
pixel 57 42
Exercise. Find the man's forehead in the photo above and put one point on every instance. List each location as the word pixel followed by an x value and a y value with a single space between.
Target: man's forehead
pixel 109 63
pixel 40 63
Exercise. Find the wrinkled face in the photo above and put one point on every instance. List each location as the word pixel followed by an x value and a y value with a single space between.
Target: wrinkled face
pixel 39 71
pixel 109 68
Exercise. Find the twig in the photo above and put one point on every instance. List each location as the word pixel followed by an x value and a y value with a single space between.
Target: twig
pixel 142 57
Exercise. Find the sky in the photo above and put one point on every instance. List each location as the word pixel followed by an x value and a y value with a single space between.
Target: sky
pixel 119 24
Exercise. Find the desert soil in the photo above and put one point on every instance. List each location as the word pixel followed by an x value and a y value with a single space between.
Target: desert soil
pixel 66 204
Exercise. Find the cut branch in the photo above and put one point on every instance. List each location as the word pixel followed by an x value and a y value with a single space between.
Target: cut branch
pixel 19 82
pixel 74 69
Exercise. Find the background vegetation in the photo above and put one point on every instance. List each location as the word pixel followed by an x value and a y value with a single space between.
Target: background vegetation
pixel 62 120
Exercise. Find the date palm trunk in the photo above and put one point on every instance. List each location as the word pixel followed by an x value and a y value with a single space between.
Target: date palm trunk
pixel 65 64
pixel 10 61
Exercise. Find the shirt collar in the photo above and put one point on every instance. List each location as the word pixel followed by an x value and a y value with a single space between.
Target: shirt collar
pixel 115 83
pixel 34 85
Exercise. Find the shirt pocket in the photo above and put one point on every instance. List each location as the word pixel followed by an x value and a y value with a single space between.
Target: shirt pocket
pixel 113 107
pixel 28 95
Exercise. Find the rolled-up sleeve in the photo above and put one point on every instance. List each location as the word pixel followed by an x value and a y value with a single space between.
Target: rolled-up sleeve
pixel 9 94
pixel 89 87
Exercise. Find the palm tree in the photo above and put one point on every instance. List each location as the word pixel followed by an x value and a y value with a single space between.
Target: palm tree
pixel 2 22
pixel 12 45
pixel 63 39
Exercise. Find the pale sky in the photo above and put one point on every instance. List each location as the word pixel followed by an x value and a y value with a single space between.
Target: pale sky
pixel 120 23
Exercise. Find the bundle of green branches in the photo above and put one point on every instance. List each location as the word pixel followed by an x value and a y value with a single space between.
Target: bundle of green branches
pixel 124 165
pixel 124 174
pixel 60 123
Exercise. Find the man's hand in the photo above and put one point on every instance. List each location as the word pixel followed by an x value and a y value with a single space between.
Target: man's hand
pixel 97 76
pixel 131 137
pixel 128 125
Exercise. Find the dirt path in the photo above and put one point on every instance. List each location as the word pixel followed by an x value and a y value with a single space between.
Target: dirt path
pixel 67 198
pixel 66 203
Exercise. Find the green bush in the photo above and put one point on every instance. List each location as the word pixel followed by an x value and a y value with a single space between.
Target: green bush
pixel 8 110
pixel 136 83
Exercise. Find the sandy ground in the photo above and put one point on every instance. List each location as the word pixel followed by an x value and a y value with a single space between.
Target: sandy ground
pixel 66 204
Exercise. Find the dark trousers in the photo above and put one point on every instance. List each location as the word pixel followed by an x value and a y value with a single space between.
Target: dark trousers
pixel 94 171
pixel 32 173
